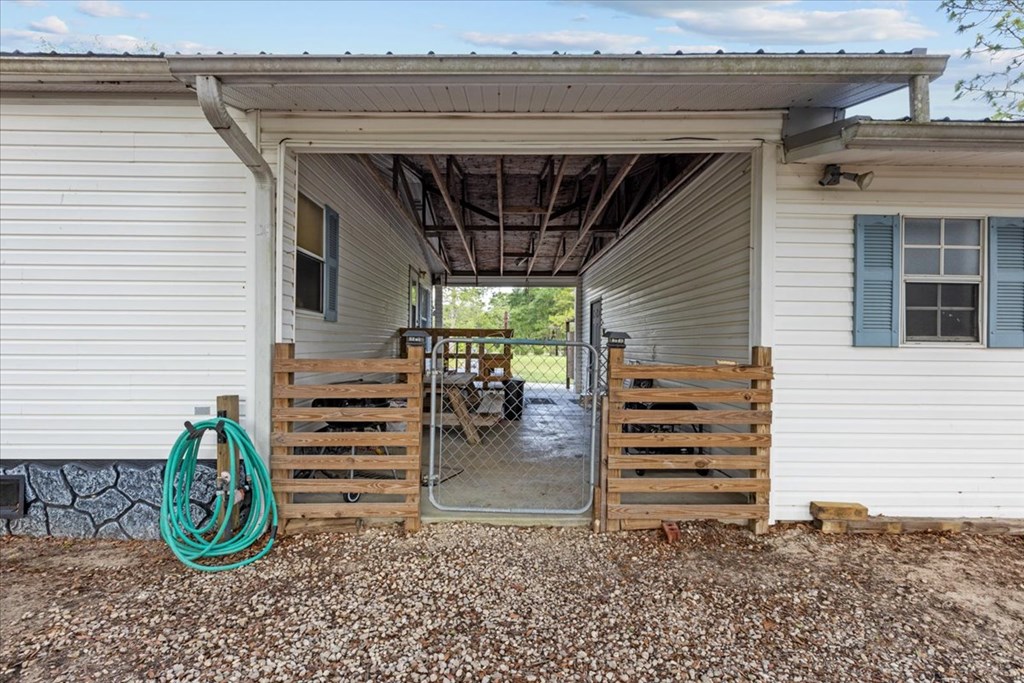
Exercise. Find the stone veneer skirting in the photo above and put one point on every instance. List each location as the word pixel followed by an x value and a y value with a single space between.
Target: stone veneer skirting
pixel 106 499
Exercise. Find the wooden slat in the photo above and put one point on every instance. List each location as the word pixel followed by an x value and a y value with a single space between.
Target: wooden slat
pixel 664 395
pixel 352 390
pixel 345 439
pixel 705 417
pixel 690 372
pixel 690 485
pixel 344 510
pixel 344 414
pixel 384 486
pixel 342 462
pixel 724 440
pixel 687 462
pixel 345 365
pixel 682 512
pixel 282 352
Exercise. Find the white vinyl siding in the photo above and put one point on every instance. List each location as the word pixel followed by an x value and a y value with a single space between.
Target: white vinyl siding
pixel 124 275
pixel 919 430
pixel 680 285
pixel 377 249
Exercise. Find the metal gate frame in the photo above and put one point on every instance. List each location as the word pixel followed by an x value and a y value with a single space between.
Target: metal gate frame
pixel 436 402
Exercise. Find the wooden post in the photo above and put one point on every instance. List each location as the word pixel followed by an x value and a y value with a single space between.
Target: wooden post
pixel 601 488
pixel 762 356
pixel 281 379
pixel 616 359
pixel 415 343
pixel 227 406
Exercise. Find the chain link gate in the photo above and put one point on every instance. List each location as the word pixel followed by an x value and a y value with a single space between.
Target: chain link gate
pixel 507 435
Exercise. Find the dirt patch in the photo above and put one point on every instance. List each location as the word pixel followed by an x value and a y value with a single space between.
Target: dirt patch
pixel 464 603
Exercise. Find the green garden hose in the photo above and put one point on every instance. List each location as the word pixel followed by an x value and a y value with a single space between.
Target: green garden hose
pixel 191 543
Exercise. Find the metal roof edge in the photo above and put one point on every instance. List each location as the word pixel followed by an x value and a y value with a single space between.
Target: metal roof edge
pixel 885 66
pixel 866 133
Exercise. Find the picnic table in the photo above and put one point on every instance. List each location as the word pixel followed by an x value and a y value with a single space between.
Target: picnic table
pixel 466 406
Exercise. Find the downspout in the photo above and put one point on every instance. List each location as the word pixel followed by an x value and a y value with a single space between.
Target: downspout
pixel 211 100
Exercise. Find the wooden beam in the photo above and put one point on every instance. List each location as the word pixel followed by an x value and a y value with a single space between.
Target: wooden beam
pixel 456 216
pixel 501 217
pixel 550 208
pixel 397 169
pixel 384 185
pixel 480 227
pixel 691 169
pixel 598 210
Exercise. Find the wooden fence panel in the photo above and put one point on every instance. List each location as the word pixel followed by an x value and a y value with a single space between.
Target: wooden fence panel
pixel 371 462
pixel 634 444
pixel 459 356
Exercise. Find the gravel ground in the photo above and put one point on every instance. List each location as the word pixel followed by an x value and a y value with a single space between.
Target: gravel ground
pixel 475 603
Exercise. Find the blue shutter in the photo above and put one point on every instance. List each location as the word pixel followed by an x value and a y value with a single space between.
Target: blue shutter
pixel 1006 283
pixel 332 249
pixel 876 295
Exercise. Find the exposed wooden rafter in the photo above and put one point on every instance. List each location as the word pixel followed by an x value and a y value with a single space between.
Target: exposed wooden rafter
pixel 455 214
pixel 695 166
pixel 383 184
pixel 501 217
pixel 595 215
pixel 552 196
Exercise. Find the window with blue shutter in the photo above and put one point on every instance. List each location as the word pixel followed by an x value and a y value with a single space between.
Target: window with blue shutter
pixel 332 224
pixel 1006 282
pixel 877 281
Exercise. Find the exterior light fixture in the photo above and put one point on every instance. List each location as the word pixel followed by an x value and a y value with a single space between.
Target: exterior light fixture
pixel 833 174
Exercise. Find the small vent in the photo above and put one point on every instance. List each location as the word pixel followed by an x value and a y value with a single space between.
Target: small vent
pixel 12 496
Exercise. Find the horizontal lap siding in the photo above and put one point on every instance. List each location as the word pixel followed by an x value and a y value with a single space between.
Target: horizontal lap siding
pixel 680 285
pixel 377 248
pixel 906 431
pixel 123 275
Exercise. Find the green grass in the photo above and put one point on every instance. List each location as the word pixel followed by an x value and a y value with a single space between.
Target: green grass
pixel 539 369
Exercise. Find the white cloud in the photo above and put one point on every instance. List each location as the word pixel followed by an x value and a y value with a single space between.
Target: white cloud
pixel 778 22
pixel 50 24
pixel 575 41
pixel 73 43
pixel 105 8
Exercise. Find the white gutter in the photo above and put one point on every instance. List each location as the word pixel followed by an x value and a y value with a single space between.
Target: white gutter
pixel 210 99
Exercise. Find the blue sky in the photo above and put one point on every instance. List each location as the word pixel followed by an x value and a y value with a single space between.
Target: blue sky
pixel 542 26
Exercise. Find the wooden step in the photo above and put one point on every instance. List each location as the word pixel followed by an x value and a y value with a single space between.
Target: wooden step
pixel 838 511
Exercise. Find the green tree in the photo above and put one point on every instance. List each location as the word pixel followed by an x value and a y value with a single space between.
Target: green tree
pixel 998 28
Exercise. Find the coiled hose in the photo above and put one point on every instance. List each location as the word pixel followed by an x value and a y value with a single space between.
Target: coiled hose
pixel 189 542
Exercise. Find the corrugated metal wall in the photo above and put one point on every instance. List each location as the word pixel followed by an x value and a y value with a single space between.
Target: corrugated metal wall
pixel 124 275
pixel 377 249
pixel 679 285
pixel 923 431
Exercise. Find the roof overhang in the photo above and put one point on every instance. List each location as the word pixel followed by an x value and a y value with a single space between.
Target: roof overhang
pixel 860 140
pixel 492 83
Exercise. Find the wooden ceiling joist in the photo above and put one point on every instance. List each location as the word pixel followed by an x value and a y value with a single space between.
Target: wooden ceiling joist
pixel 455 214
pixel 501 217
pixel 385 186
pixel 595 215
pixel 552 196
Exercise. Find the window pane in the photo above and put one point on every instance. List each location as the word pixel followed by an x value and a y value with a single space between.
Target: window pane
pixel 922 324
pixel 310 226
pixel 962 231
pixel 961 261
pixel 959 296
pixel 922 230
pixel 922 294
pixel 961 324
pixel 921 261
pixel 309 280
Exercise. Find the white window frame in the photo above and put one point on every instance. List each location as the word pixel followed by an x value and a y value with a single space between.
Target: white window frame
pixel 981 280
pixel 322 259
